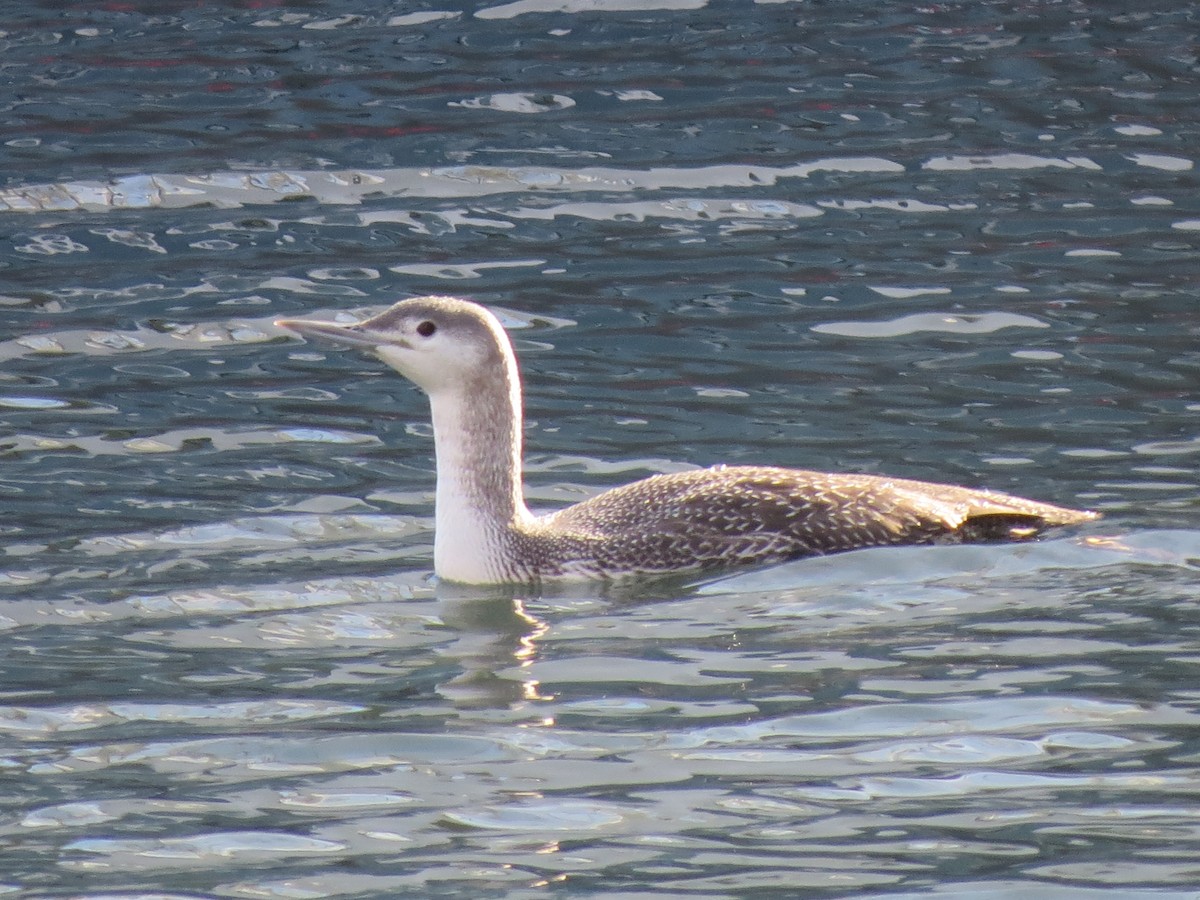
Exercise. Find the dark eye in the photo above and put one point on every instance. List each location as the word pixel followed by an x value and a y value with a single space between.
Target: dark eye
pixel 426 329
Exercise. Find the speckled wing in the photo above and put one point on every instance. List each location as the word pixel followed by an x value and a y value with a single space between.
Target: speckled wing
pixel 726 515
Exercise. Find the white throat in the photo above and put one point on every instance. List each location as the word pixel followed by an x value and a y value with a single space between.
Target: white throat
pixel 480 504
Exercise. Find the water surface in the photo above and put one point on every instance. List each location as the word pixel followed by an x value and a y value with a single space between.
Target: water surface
pixel 955 241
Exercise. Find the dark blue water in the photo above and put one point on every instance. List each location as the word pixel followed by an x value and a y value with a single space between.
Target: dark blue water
pixel 956 241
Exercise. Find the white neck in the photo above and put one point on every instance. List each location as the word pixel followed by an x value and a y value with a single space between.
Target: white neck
pixel 477 435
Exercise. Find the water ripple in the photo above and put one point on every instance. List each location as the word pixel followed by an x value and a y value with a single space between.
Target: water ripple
pixel 229 191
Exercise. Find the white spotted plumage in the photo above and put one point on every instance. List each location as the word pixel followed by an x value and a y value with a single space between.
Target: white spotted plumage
pixel 460 355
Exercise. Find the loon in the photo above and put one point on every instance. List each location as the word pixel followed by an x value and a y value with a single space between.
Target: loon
pixel 459 354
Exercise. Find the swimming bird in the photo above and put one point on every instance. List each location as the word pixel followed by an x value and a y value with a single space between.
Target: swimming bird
pixel 459 354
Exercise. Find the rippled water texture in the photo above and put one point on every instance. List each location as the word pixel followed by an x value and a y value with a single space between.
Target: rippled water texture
pixel 953 241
